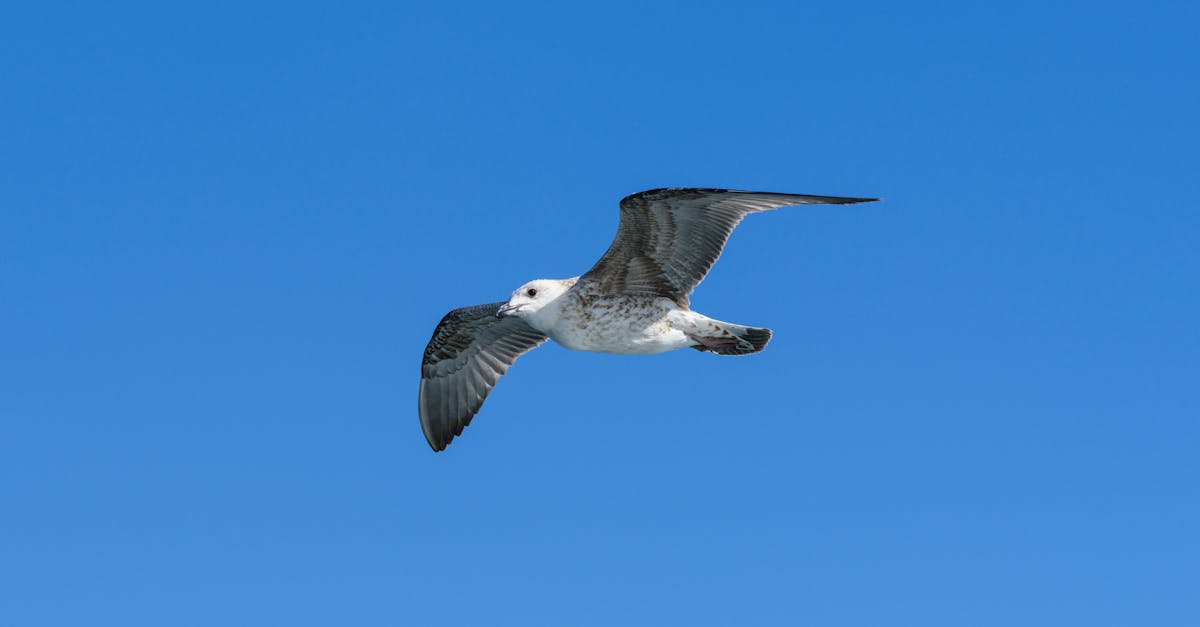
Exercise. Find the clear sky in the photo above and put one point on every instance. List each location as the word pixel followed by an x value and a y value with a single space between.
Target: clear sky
pixel 228 229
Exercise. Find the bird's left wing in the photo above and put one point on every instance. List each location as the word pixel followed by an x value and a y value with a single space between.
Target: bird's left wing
pixel 669 238
pixel 469 351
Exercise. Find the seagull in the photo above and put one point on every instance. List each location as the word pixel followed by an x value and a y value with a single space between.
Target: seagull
pixel 634 301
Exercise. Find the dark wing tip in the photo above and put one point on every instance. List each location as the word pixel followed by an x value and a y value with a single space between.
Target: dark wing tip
pixel 838 200
pixel 808 199
pixel 437 443
pixel 442 412
pixel 439 433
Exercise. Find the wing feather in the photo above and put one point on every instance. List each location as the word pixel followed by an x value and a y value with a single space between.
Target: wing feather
pixel 470 350
pixel 668 239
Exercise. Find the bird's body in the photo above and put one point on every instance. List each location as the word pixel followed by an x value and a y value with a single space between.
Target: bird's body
pixel 633 301
pixel 583 320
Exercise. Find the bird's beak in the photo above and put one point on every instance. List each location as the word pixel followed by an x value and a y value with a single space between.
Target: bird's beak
pixel 505 309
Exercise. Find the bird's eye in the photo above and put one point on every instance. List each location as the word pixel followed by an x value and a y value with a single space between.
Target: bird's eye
pixel 531 292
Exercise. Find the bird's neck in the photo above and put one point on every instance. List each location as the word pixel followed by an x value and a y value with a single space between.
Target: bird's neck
pixel 547 317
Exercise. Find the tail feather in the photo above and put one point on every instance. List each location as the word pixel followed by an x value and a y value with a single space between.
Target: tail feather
pixel 757 338
pixel 733 340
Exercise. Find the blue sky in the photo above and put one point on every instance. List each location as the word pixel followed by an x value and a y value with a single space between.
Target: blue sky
pixel 228 229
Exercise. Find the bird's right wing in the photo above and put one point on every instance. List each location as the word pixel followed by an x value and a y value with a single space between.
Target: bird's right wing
pixel 469 351
pixel 669 238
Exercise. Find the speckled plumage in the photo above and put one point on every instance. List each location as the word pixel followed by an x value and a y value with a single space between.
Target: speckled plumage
pixel 633 301
pixel 623 324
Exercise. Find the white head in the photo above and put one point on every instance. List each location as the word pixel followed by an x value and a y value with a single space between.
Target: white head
pixel 530 298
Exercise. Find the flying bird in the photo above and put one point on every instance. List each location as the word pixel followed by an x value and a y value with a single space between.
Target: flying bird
pixel 633 301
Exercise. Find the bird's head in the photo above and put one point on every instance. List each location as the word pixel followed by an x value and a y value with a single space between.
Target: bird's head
pixel 530 298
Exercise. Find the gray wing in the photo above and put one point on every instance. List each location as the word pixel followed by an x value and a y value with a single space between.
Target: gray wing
pixel 669 238
pixel 469 351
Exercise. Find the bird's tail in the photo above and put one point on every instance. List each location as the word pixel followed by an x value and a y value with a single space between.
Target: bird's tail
pixel 732 339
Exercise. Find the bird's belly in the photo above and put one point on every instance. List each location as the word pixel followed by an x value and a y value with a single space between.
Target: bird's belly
pixel 624 339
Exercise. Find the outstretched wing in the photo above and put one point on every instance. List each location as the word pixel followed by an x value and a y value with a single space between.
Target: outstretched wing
pixel 669 238
pixel 469 351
